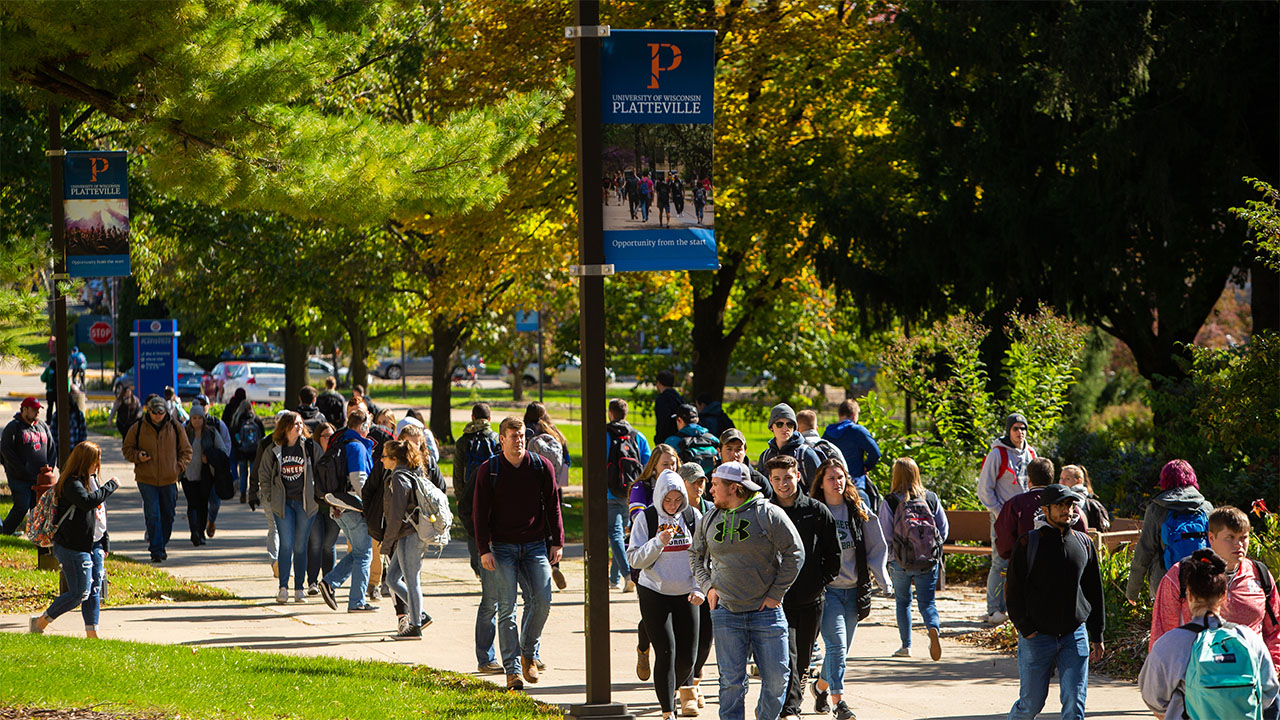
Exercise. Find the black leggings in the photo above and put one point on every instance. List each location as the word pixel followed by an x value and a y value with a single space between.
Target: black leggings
pixel 704 639
pixel 197 494
pixel 803 622
pixel 321 554
pixel 672 623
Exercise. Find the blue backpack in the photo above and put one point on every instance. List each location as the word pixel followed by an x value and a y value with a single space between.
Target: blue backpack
pixel 1223 677
pixel 1182 534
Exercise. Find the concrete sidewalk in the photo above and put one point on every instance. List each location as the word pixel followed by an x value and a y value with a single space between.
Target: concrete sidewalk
pixel 967 684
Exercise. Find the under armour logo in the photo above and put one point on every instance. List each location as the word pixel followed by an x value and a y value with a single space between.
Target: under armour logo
pixel 737 534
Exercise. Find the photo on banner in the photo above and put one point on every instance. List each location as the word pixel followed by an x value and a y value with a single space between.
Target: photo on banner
pixel 657 188
pixel 96 208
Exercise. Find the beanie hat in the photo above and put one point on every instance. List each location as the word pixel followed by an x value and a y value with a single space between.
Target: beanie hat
pixel 781 411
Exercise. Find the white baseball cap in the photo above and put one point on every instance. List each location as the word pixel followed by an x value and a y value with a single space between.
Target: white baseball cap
pixel 736 472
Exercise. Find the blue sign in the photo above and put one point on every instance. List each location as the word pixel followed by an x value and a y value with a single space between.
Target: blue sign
pixel 95 203
pixel 526 321
pixel 155 356
pixel 658 95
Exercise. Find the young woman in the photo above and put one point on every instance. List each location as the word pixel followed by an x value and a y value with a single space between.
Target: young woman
pixel 907 487
pixel 848 597
pixel 1179 493
pixel 321 554
pixel 81 541
pixel 1095 513
pixel 666 580
pixel 286 479
pixel 126 410
pixel 197 477
pixel 662 458
pixel 695 482
pixel 1163 674
pixel 400 541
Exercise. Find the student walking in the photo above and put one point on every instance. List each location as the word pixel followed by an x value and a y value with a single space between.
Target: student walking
pixel 695 480
pixel 159 450
pixel 81 541
pixel 351 516
pixel 477 444
pixel 26 446
pixel 626 454
pixel 208 458
pixel 286 479
pixel 1003 477
pixel 662 458
pixel 1175 524
pixel 660 540
pixel 914 524
pixel 400 540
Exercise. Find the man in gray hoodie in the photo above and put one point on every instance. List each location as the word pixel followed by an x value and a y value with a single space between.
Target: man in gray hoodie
pixel 1002 478
pixel 746 553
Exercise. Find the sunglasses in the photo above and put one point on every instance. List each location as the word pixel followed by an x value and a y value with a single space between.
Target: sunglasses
pixel 784 423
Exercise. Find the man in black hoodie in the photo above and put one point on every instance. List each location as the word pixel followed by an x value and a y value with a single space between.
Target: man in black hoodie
pixel 26 446
pixel 1054 595
pixel 311 415
pixel 665 406
pixel 803 602
pixel 788 441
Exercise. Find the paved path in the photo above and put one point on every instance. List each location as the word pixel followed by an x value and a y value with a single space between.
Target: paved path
pixel 967 684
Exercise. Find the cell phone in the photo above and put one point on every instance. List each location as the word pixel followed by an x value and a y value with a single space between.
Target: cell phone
pixel 144 453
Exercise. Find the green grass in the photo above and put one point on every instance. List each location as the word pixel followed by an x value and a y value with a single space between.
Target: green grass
pixel 179 681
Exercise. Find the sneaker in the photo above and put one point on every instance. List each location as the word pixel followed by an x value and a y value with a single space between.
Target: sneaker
pixel 363 608
pixel 902 652
pixel 842 712
pixel 642 664
pixel 630 586
pixel 514 682
pixel 243 499
pixel 34 626
pixel 995 618
pixel 558 577
pixel 326 592
pixel 820 702
pixel 313 589
pixel 490 668
pixel 529 670
pixel 615 585
pixel 935 645
pixel 282 596
pixel 410 632
pixel 385 590
pixel 300 595
pixel 275 569
pixel 157 559
pixel 426 620
pixel 373 594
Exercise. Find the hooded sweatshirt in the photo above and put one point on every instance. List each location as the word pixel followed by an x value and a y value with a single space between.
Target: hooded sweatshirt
pixel 664 569
pixel 998 482
pixel 1148 555
pixel 797 448
pixel 688 431
pixel 1163 674
pixel 26 448
pixel 861 453
pixel 1246 605
pixel 747 554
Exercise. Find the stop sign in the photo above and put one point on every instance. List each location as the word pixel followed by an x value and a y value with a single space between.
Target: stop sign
pixel 100 333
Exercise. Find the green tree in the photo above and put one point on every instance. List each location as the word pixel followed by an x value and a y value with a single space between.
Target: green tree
pixel 24 233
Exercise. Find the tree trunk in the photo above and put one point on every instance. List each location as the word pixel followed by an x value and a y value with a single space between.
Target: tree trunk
pixel 1265 303
pixel 444 341
pixel 359 374
pixel 712 345
pixel 517 381
pixel 295 362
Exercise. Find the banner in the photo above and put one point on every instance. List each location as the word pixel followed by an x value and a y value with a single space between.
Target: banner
pixel 658 91
pixel 95 200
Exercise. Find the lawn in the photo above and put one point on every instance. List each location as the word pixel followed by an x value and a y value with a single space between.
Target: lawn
pixel 178 681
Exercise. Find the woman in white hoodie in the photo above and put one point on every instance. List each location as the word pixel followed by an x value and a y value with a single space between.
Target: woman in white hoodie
pixel 660 539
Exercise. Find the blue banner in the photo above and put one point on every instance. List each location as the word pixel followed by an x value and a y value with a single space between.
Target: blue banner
pixel 95 202
pixel 155 356
pixel 658 96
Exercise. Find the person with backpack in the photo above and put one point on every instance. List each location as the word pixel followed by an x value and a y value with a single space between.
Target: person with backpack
pixel 475 446
pixel 77 362
pixel 632 189
pixel 159 450
pixel 863 557
pixel 859 449
pixel 208 458
pixel 695 481
pixel 544 438
pixel 374 505
pixel 676 187
pixel 1096 515
pixel 247 432
pixel 1251 600
pixel 255 462
pixel 786 441
pixel 286 478
pixel 77 426
pixel 1055 601
pixel 693 442
pixel 331 403
pixel 400 540
pixel 627 452
pixel 699 201
pixel 341 474
pixel 659 548
pixel 733 448
pixel 662 192
pixel 1018 516
pixel 645 190
pixel 802 605
pixel 308 410
pixel 1175 524
pixel 126 410
pixel 50 379
pixel 26 446
pixel 515 510
pixel 1208 668
pixel 662 458
pixel 806 421
pixel 914 524
pixel 665 404
pixel 322 552
pixel 1003 477
pixel 80 541
pixel 712 415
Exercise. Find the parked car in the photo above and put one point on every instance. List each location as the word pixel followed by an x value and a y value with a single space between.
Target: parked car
pixel 190 379
pixel 321 368
pixel 262 382
pixel 216 381
pixel 391 368
pixel 566 373
pixel 254 352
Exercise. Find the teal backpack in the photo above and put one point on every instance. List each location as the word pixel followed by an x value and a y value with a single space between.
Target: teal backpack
pixel 1222 679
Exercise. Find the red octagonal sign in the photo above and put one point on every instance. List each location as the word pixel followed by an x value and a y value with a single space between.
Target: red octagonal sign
pixel 100 333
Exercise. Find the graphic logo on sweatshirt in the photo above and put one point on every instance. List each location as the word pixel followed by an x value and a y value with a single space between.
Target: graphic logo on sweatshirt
pixel 737 534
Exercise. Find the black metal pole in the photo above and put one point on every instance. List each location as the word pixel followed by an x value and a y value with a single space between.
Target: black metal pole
pixel 404 387
pixel 542 369
pixel 58 216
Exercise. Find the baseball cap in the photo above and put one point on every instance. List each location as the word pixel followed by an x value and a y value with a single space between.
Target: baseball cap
pixel 1057 493
pixel 30 401
pixel 687 413
pixel 732 434
pixel 400 426
pixel 156 404
pixel 691 471
pixel 736 472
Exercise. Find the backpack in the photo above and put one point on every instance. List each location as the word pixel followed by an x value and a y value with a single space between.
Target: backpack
pixel 550 449
pixel 1182 534
pixel 1004 462
pixel 333 408
pixel 249 434
pixel 644 189
pixel 1223 679
pixel 430 516
pixel 702 448
pixel 43 521
pixel 475 450
pixel 1265 581
pixel 331 470
pixel 917 544
pixel 624 459
pixel 699 195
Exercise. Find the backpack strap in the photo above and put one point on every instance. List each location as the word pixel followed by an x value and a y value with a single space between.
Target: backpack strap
pixel 689 519
pixel 1268 585
pixel 651 520
pixel 1004 462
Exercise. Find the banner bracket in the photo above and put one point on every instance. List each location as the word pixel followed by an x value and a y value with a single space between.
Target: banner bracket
pixel 55 153
pixel 590 270
pixel 574 32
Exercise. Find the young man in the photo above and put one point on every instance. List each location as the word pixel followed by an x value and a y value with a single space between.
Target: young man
pixel 806 421
pixel 618 427
pixel 356 563
pixel 1019 515
pixel 1055 601
pixel 693 442
pixel 712 414
pixel 26 446
pixel 733 448
pixel 159 450
pixel 514 511
pixel 331 402
pixel 477 444
pixel 745 556
pixel 786 441
pixel 860 451
pixel 802 604
pixel 1003 477
pixel 665 405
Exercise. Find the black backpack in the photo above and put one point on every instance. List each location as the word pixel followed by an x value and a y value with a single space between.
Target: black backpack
pixel 703 449
pixel 624 466
pixel 331 470
pixel 333 408
pixel 475 450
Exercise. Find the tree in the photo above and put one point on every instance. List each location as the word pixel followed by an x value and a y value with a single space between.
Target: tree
pixel 24 234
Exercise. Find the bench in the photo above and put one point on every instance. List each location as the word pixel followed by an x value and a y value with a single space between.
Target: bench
pixel 1124 531
pixel 968 526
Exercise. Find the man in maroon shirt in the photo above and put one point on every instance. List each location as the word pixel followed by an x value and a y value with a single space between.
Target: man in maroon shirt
pixel 1018 516
pixel 519 534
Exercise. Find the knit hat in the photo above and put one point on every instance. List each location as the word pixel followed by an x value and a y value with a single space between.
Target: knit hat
pixel 781 411
pixel 197 410
pixel 1013 419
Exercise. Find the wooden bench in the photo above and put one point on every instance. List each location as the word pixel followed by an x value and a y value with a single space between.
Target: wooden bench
pixel 1124 531
pixel 968 526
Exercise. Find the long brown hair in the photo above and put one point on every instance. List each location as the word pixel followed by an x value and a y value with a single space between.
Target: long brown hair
pixel 906 478
pixel 404 452
pixel 288 419
pixel 85 458
pixel 850 487
pixel 650 470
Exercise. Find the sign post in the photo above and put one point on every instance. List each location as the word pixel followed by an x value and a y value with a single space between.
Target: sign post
pixel 155 355
pixel 101 334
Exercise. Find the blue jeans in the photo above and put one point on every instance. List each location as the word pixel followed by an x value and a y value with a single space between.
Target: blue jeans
pixel 294 528
pixel 1036 659
pixel 215 504
pixel 240 471
pixel 926 584
pixel 355 564
pixel 839 621
pixel 762 634
pixel 22 496
pixel 524 567
pixel 486 617
pixel 158 503
pixel 618 568
pixel 84 573
pixel 995 577
pixel 404 575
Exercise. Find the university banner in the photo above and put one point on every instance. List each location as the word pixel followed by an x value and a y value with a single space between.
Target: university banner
pixel 95 201
pixel 658 91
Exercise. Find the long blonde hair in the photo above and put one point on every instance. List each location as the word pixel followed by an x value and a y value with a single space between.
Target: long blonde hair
pixel 850 493
pixel 650 471
pixel 906 478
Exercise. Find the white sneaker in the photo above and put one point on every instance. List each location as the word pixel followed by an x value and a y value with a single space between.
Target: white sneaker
pixel 630 586
pixel 300 596
pixel 995 618
pixel 902 652
pixel 283 595
pixel 616 585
